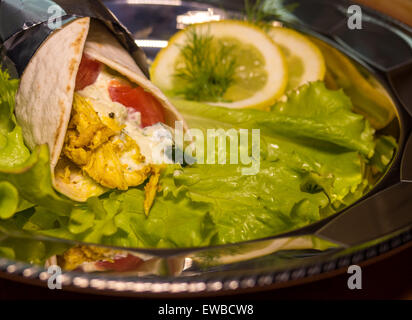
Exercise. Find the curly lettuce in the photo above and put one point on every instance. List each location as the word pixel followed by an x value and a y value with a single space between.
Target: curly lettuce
pixel 25 178
pixel 314 151
pixel 13 151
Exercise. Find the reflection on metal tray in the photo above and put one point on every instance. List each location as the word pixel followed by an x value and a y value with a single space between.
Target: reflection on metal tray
pixel 380 221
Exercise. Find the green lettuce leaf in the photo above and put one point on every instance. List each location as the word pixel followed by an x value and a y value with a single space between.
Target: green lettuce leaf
pixel 119 219
pixel 313 154
pixel 9 200
pixel 384 152
pixel 13 151
pixel 334 161
pixel 328 115
pixel 313 114
pixel 33 181
pixel 17 245
pixel 245 207
pixel 25 178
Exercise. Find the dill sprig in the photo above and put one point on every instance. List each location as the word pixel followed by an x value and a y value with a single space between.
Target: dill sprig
pixel 207 69
pixel 254 12
pixel 261 13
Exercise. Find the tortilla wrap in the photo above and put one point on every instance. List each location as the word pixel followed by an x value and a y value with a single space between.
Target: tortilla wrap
pixel 45 97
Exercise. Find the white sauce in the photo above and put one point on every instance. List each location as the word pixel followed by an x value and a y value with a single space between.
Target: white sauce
pixel 98 94
pixel 153 141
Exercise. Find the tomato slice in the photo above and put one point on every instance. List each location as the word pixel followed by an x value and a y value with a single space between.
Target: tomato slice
pixel 150 109
pixel 89 70
pixel 128 263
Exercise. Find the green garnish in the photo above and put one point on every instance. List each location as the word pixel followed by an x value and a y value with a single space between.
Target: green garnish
pixel 254 12
pixel 262 13
pixel 207 68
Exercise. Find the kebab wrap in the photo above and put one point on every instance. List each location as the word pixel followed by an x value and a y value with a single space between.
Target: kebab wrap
pixel 84 96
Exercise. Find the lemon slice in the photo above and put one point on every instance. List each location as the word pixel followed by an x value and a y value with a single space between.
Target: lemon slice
pixel 304 59
pixel 260 74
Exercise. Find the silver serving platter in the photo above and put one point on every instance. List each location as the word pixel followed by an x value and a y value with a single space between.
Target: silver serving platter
pixel 379 222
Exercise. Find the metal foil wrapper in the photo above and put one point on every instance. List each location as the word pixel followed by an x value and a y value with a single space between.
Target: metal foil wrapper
pixel 26 24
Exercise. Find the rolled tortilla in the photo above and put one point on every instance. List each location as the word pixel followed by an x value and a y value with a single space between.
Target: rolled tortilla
pixel 45 97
